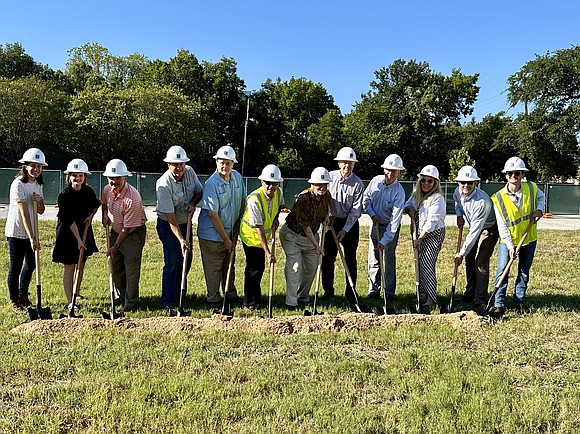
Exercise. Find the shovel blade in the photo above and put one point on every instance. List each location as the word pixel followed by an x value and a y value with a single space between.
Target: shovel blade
pixel 385 310
pixel 223 312
pixel 39 313
pixel 112 315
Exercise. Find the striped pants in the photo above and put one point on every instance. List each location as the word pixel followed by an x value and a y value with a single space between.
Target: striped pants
pixel 430 248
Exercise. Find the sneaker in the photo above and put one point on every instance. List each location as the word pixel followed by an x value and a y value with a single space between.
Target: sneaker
pixel 374 295
pixel 16 306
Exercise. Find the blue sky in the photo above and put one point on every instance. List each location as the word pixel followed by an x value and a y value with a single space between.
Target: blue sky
pixel 337 43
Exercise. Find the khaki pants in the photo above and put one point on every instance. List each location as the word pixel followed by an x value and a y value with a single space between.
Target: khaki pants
pixel 127 265
pixel 301 264
pixel 215 260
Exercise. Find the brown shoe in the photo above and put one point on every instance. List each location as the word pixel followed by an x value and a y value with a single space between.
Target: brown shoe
pixel 16 306
pixel 24 301
pixel 497 312
pixel 129 308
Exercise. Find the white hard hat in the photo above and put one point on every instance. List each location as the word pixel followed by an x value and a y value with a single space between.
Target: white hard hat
pixel 346 154
pixel 176 154
pixel 33 155
pixel 77 166
pixel 514 163
pixel 115 168
pixel 271 173
pixel 393 162
pixel 226 153
pixel 467 173
pixel 430 170
pixel 319 176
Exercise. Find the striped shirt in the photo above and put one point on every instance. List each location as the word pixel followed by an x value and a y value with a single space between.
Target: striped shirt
pixel 346 199
pixel 125 209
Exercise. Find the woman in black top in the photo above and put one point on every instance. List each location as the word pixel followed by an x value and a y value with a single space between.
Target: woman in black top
pixel 77 204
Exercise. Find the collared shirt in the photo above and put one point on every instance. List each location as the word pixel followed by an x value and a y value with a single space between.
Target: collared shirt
pixel 20 192
pixel 476 209
pixel 431 212
pixel 223 197
pixel 173 196
pixel 346 198
pixel 125 209
pixel 255 214
pixel 386 202
pixel 516 198
pixel 308 212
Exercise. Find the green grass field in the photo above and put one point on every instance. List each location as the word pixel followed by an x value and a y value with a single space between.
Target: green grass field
pixel 517 375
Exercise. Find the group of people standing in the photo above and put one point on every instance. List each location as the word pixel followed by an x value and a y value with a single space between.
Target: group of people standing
pixel 335 200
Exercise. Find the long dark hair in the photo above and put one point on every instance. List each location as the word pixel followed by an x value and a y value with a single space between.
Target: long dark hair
pixel 23 175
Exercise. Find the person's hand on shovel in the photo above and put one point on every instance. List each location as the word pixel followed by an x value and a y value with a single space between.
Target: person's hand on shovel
pixel 537 216
pixel 458 260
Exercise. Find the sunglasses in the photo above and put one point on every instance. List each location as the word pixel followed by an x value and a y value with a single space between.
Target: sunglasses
pixel 513 173
pixel 427 181
pixel 466 182
pixel 270 183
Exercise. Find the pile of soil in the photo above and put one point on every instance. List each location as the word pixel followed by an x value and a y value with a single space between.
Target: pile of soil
pixel 286 325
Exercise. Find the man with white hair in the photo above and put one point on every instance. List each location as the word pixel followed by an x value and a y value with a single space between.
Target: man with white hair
pixel 474 206
pixel 346 190
pixel 222 205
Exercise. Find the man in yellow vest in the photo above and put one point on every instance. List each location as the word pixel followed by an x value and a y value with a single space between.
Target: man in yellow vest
pixel 515 206
pixel 259 222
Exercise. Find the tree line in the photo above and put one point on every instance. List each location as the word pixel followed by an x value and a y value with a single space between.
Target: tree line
pixel 104 106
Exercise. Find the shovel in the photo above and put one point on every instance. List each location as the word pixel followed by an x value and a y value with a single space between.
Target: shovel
pixel 223 311
pixel 317 286
pixel 180 311
pixel 111 315
pixel 451 307
pixel 271 289
pixel 506 270
pixel 39 312
pixel 385 309
pixel 354 306
pixel 417 307
pixel 77 277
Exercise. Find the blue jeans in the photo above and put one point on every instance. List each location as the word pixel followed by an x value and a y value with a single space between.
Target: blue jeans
pixel 20 252
pixel 173 267
pixel 524 263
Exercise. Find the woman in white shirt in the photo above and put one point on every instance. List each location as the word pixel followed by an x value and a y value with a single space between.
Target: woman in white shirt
pixel 25 200
pixel 427 207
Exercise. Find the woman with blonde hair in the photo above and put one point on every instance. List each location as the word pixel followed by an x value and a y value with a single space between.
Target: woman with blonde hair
pixel 427 209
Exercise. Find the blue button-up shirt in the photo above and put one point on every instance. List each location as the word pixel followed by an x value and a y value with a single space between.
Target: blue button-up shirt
pixel 386 202
pixel 222 197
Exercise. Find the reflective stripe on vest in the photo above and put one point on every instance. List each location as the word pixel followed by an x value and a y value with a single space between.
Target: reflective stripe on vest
pixel 516 221
pixel 248 232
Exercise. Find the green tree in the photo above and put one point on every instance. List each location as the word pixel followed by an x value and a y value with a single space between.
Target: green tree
pixel 31 115
pixel 546 134
pixel 407 111
pixel 287 127
pixel 15 63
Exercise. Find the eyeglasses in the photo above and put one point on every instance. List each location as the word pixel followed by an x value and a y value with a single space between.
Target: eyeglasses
pixel 466 182
pixel 513 173
pixel 270 183
pixel 427 181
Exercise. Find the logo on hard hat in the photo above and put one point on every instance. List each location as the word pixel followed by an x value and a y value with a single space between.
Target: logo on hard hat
pixel 76 166
pixel 271 174
pixel 114 170
pixel 178 155
pixel 427 170
pixel 36 156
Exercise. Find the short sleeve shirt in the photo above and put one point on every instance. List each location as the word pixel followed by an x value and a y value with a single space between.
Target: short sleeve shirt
pixel 173 196
pixel 20 192
pixel 125 209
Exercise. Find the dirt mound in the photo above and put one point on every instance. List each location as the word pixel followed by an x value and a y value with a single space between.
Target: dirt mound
pixel 282 325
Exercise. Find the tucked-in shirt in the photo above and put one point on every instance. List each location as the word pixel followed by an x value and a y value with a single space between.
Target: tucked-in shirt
pixel 125 209
pixel 476 210
pixel 386 202
pixel 431 212
pixel 223 197
pixel 346 198
pixel 308 212
pixel 20 192
pixel 516 198
pixel 174 196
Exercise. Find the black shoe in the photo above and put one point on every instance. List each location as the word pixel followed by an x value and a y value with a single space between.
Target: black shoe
pixel 497 312
pixel 467 299
pixel 373 295
pixel 327 296
pixel 519 308
pixel 24 301
pixel 391 297
pixel 478 309
pixel 234 300
pixel 292 308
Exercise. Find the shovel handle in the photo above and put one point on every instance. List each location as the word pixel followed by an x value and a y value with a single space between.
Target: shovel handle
pixel 271 287
pixel 339 248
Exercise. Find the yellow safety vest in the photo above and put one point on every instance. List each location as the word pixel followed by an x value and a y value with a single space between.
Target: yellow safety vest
pixel 517 222
pixel 248 232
